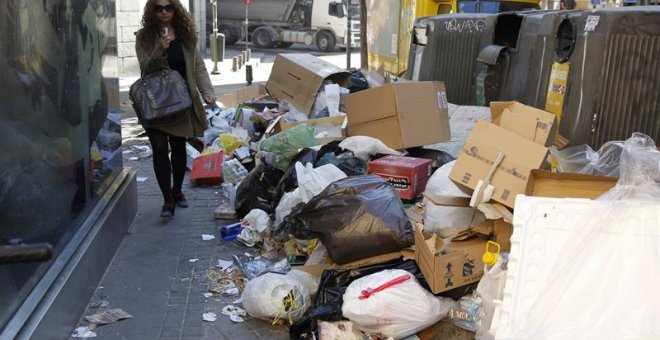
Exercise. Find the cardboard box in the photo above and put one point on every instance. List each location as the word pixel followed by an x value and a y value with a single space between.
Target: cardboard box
pixel 278 125
pixel 402 115
pixel 408 175
pixel 207 170
pixel 529 122
pixel 564 185
pixel 297 78
pixel 235 97
pixel 481 149
pixel 448 265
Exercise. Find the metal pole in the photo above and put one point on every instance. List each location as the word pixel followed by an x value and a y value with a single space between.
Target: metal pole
pixel 246 25
pixel 214 43
pixel 348 34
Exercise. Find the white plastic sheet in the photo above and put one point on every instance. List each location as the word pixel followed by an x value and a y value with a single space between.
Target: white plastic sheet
pixel 604 284
pixel 398 311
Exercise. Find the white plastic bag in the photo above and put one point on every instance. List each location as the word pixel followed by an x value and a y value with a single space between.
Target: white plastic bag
pixel 276 297
pixel 364 146
pixel 258 220
pixel 311 181
pixel 440 186
pixel 332 99
pixel 392 303
pixel 449 221
pixel 310 281
pixel 287 203
pixel 490 289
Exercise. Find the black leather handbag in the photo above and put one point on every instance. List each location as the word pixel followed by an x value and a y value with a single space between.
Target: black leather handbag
pixel 160 96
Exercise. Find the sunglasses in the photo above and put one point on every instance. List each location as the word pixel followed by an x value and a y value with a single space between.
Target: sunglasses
pixel 160 8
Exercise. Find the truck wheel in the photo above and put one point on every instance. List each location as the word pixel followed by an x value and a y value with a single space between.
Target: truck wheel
pixel 261 38
pixel 230 35
pixel 325 41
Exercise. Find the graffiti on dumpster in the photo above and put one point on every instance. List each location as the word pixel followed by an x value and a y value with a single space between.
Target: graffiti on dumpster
pixel 467 25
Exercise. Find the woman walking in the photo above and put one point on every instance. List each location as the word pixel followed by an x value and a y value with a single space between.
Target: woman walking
pixel 168 39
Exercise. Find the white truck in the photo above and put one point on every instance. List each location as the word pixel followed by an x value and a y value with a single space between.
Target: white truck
pixel 280 23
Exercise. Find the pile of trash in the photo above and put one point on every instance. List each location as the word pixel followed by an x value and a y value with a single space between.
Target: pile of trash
pixel 355 227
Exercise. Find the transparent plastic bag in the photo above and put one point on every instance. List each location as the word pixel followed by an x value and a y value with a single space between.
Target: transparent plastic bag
pixel 285 145
pixel 605 284
pixel 276 297
pixel 584 160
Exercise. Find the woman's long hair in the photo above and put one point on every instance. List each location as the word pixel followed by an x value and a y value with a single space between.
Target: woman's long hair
pixel 183 23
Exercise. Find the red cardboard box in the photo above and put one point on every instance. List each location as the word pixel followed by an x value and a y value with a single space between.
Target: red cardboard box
pixel 207 170
pixel 408 175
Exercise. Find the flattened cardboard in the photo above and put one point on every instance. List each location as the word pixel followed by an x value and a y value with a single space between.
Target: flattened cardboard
pixel 318 262
pixel 297 77
pixel 235 97
pixel 565 185
pixel 278 125
pixel 529 122
pixel 402 115
pixel 448 265
pixel 481 149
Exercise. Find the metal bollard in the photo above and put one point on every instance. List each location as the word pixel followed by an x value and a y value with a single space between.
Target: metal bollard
pixel 249 54
pixel 234 64
pixel 240 61
pixel 244 55
pixel 248 74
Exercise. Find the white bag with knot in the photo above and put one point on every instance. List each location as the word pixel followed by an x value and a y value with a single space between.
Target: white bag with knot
pixel 392 303
pixel 276 297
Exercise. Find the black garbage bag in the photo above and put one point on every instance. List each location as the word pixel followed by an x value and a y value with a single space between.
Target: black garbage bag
pixel 289 180
pixel 329 297
pixel 355 218
pixel 257 189
pixel 438 158
pixel 358 81
pixel 346 162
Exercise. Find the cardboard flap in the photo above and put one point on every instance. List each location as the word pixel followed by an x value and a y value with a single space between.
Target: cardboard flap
pixel 361 106
pixel 526 121
pixel 566 185
pixel 420 118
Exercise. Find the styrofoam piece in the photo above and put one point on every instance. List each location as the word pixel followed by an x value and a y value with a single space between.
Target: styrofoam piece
pixel 542 226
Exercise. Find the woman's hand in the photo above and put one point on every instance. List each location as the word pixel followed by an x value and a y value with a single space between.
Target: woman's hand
pixel 210 100
pixel 165 41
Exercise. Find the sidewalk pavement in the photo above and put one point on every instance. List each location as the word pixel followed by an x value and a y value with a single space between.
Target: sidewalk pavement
pixel 151 276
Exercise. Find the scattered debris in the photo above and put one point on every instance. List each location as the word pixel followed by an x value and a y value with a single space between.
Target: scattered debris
pixel 141 179
pixel 83 332
pixel 109 316
pixel 209 317
pixel 193 260
pixel 207 237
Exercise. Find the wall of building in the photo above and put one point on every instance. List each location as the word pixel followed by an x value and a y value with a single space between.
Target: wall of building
pixel 129 15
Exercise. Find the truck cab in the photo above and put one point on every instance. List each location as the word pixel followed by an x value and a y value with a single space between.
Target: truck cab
pixel 329 19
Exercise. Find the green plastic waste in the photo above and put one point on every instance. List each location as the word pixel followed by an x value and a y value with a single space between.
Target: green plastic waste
pixel 285 145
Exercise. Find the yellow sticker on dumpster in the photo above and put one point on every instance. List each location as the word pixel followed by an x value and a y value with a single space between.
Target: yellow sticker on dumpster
pixel 554 102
